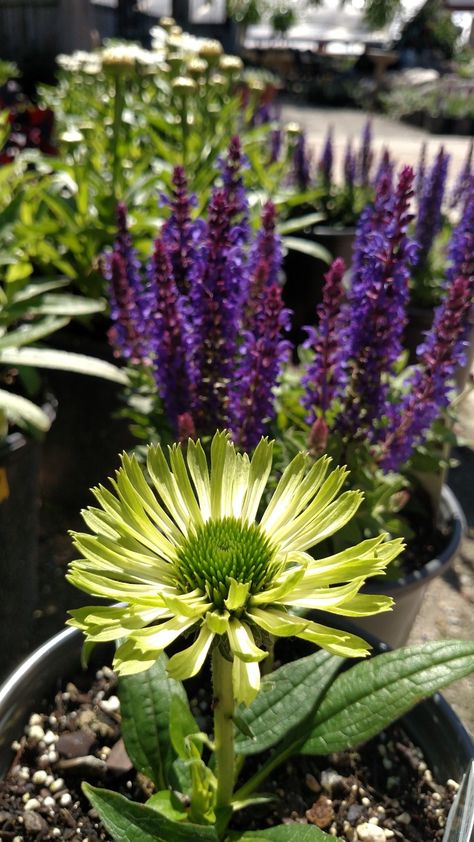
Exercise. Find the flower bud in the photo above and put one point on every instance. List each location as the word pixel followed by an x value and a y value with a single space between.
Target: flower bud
pixel 211 50
pixel 183 85
pixel 166 22
pixel 197 67
pixel 230 64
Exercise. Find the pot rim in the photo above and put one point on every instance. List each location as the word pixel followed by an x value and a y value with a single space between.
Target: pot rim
pixel 453 514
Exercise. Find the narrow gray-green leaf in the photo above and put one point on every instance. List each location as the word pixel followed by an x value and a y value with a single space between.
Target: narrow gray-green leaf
pixel 21 409
pixel 374 693
pixel 146 703
pixel 128 821
pixel 287 697
pixel 287 833
pixel 299 222
pixel 64 361
pixel 26 334
pixel 67 305
pixel 308 247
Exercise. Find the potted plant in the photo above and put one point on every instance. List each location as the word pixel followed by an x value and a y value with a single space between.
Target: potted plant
pixel 29 312
pixel 371 410
pixel 222 582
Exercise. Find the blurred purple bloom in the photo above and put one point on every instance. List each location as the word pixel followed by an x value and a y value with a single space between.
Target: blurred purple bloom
pixel 350 166
pixel 265 257
pixel 180 233
pixel 301 162
pixel 276 143
pixel 385 168
pixel 324 376
pixel 429 217
pixel 366 154
pixel 237 204
pixel 465 179
pixel 420 173
pixel 326 162
pixel 461 246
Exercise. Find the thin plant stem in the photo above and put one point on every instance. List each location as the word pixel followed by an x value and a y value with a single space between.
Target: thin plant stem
pixel 184 128
pixel 254 782
pixel 117 124
pixel 223 728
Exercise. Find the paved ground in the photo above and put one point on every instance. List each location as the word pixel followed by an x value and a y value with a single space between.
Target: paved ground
pixel 448 610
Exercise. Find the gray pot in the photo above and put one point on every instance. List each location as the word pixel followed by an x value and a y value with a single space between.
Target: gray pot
pixel 393 627
pixel 28 688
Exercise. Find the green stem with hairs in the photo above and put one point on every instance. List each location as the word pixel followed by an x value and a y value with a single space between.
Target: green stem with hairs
pixel 116 130
pixel 223 728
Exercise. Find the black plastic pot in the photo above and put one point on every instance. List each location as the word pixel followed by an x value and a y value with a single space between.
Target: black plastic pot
pixel 19 506
pixel 393 627
pixel 30 686
pixel 305 275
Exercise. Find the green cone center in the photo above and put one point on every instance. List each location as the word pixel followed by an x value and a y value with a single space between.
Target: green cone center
pixel 221 550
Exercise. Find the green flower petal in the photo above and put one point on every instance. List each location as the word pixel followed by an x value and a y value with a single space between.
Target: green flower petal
pixel 277 621
pixel 218 622
pixel 293 492
pixel 245 681
pixel 260 467
pixel 242 643
pixel 187 663
pixel 238 593
pixel 363 605
pixel 105 623
pixel 159 637
pixel 177 502
pixel 335 641
pixel 198 468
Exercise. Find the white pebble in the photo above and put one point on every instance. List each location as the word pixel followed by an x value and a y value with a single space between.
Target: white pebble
pixel 53 720
pixel 365 801
pixel 39 777
pixel 50 738
pixel 452 784
pixel 56 785
pixel 65 800
pixel 35 719
pixel 370 833
pixel 35 732
pixel 15 746
pixel 53 756
pixel 32 804
pixel 110 705
pixel 404 818
pixel 56 832
pixel 17 839
pixel 49 801
pixel 24 773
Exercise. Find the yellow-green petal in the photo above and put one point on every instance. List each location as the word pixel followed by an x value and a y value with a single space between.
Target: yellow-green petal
pixel 187 663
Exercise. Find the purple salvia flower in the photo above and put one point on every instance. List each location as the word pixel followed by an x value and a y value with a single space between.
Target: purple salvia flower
pixel 429 217
pixel 465 179
pixel 301 162
pixel 326 162
pixel 350 166
pixel 276 143
pixel 385 168
pixel 377 303
pixel 265 258
pixel 323 379
pixel 169 338
pixel 366 154
pixel 181 235
pixel 461 246
pixel 129 310
pixel 215 297
pixel 263 354
pixel 439 356
pixel 236 196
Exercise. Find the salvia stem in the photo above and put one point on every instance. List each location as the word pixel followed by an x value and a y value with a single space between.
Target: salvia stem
pixel 223 728
pixel 118 108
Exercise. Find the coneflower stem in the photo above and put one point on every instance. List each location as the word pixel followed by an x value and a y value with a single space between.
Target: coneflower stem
pixel 223 728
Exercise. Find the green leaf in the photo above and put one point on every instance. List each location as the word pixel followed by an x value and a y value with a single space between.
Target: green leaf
pixel 22 410
pixel 18 272
pixel 67 305
pixel 372 694
pixel 299 222
pixel 288 833
pixel 27 334
pixel 286 698
pixel 146 702
pixel 128 821
pixel 182 725
pixel 64 361
pixel 163 803
pixel 308 247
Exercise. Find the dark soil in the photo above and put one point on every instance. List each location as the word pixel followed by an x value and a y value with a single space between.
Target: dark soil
pixel 383 791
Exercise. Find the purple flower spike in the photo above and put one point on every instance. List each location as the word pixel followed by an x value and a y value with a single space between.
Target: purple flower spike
pixel 324 376
pixel 461 246
pixel 350 166
pixel 366 154
pixel 301 163
pixel 440 354
pixel 420 173
pixel 429 218
pixel 377 304
pixel 276 143
pixel 181 235
pixel 326 162
pixel 128 311
pixel 265 258
pixel 385 168
pixel 214 301
pixel 465 179
pixel 168 339
pixel 236 196
pixel 263 355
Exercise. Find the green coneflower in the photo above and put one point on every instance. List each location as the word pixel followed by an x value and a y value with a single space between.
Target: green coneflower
pixel 192 552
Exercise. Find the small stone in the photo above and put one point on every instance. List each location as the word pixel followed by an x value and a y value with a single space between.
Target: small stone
pixel 49 801
pixel 330 779
pixel 56 832
pixel 15 746
pixel 32 804
pixel 365 801
pixel 53 756
pixel 404 818
pixel 34 823
pixel 35 732
pixel 436 796
pixel 452 784
pixel 35 719
pixel 321 813
pixel 76 744
pixel 354 813
pixel 118 760
pixel 17 839
pixel 49 738
pixel 370 833
pixel 312 783
pixel 387 764
pixel 56 785
pixel 110 705
pixel 65 800
pixel 39 777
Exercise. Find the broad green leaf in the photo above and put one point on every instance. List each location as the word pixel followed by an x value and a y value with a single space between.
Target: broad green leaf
pixel 162 802
pixel 67 305
pixel 182 724
pixel 372 694
pixel 128 821
pixel 64 361
pixel 23 410
pixel 308 247
pixel 286 698
pixel 37 288
pixel 18 271
pixel 146 702
pixel 287 833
